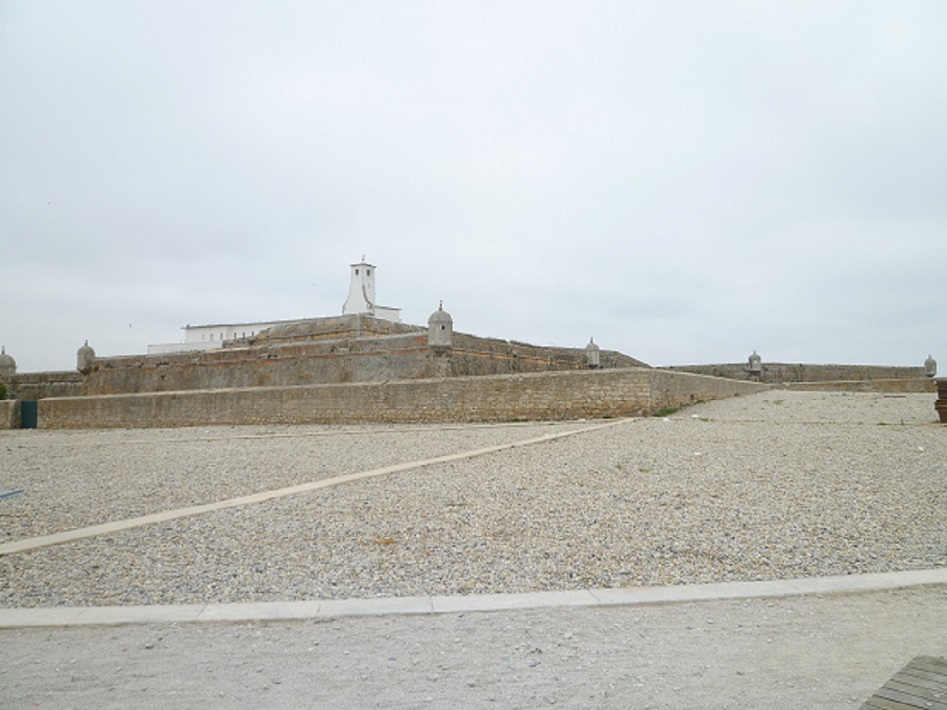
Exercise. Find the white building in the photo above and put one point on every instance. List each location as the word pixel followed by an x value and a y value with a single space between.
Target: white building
pixel 209 337
pixel 362 295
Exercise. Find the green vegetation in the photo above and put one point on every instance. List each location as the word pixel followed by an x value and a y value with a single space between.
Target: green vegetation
pixel 3 390
pixel 667 411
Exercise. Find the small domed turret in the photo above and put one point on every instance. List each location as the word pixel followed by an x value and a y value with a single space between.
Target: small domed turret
pixel 7 363
pixel 84 358
pixel 930 366
pixel 755 363
pixel 440 330
pixel 592 354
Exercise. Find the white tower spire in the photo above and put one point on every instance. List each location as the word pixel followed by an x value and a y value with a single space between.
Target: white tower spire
pixel 361 289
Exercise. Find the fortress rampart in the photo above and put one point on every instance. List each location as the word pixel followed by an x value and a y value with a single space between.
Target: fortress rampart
pixel 528 396
pixel 783 373
pixel 339 350
pixel 360 369
pixel 39 385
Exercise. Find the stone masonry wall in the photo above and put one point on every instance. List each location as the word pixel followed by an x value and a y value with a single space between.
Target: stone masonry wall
pixel 38 385
pixel 9 413
pixel 279 364
pixel 531 396
pixel 299 359
pixel 357 325
pixel 918 385
pixel 778 372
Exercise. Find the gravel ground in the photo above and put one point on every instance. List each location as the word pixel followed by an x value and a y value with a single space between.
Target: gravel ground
pixel 80 478
pixel 777 485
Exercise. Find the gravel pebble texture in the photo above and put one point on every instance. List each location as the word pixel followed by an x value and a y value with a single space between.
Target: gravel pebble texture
pixel 778 485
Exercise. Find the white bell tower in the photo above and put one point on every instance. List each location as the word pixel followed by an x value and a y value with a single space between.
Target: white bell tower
pixel 362 295
pixel 361 289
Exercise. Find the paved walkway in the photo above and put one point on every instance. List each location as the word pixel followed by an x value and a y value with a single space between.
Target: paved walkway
pixel 725 648
pixel 336 608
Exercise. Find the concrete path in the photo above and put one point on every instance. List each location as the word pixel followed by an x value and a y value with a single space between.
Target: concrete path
pixel 810 651
pixel 817 643
pixel 335 608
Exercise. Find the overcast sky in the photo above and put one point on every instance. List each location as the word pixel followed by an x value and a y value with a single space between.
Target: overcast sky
pixel 684 181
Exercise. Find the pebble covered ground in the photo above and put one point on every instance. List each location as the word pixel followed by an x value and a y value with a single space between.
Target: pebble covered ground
pixel 777 485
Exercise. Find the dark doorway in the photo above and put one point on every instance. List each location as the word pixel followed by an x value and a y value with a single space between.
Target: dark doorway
pixel 28 414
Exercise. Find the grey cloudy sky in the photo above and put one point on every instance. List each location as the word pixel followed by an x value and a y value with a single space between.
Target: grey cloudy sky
pixel 683 181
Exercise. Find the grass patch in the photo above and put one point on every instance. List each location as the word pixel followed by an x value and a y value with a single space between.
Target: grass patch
pixel 667 411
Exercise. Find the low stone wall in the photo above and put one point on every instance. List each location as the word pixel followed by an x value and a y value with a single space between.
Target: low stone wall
pixel 9 414
pixel 913 384
pixel 781 372
pixel 532 396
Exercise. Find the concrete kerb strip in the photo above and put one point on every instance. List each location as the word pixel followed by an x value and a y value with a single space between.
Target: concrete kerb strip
pixel 34 543
pixel 348 431
pixel 426 605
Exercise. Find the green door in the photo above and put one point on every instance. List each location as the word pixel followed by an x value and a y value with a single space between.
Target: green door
pixel 28 414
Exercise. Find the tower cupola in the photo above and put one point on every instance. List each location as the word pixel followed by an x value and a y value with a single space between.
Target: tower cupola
pixel 930 366
pixel 440 330
pixel 85 356
pixel 592 354
pixel 7 363
pixel 755 364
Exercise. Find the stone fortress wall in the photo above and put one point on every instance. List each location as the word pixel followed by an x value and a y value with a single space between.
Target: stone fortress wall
pixel 570 392
pixel 337 350
pixel 348 368
pixel 9 414
pixel 530 396
pixel 40 385
pixel 357 368
pixel 369 361
pixel 848 378
pixel 784 373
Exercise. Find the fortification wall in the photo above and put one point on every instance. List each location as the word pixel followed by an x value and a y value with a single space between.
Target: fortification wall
pixel 530 396
pixel 39 385
pixel 299 355
pixel 918 385
pixel 280 364
pixel 473 355
pixel 9 413
pixel 332 328
pixel 778 373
